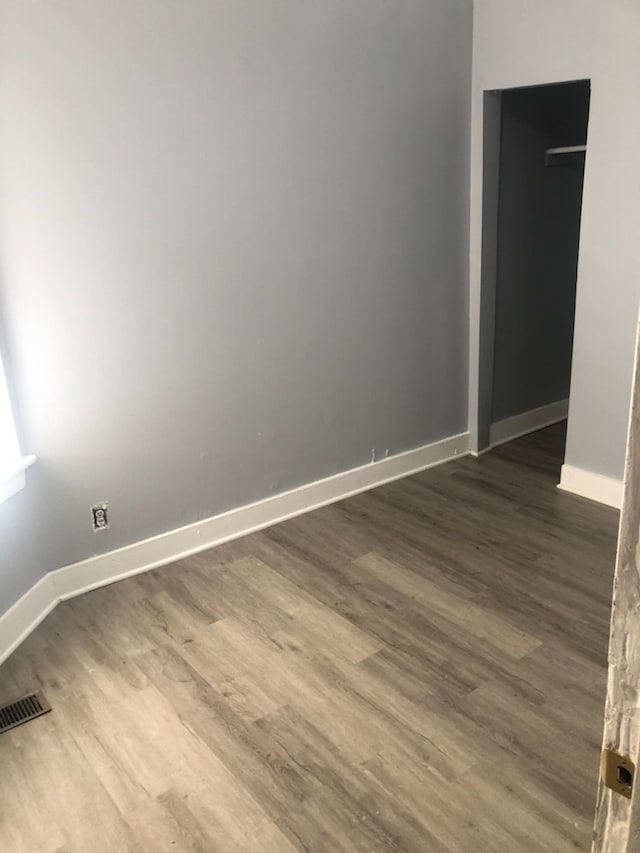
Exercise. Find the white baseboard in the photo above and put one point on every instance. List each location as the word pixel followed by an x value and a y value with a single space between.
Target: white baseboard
pixel 526 422
pixel 26 614
pixel 18 622
pixel 478 453
pixel 596 487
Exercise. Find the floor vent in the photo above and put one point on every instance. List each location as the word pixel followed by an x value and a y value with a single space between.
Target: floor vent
pixel 22 710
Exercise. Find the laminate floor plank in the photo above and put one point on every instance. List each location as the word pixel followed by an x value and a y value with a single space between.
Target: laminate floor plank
pixel 418 669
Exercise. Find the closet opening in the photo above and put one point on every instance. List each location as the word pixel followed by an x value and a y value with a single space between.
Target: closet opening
pixel 535 145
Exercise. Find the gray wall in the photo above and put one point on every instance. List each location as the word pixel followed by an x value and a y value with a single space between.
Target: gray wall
pixel 537 247
pixel 234 242
pixel 553 41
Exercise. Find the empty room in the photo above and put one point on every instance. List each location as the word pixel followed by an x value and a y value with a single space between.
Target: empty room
pixel 319 426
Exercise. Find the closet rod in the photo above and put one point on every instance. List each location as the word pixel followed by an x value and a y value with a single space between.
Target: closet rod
pixel 566 149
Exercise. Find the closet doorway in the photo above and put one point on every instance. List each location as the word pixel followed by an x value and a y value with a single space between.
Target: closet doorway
pixel 535 141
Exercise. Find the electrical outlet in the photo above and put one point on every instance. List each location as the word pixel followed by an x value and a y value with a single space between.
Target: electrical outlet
pixel 100 516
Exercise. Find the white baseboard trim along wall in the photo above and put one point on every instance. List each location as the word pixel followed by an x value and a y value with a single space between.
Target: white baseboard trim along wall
pixel 27 613
pixel 526 422
pixel 596 487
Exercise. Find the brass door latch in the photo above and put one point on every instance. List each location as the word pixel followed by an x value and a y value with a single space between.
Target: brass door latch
pixel 617 772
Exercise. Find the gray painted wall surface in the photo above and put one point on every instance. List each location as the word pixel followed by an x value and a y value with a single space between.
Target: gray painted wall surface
pixel 537 247
pixel 234 242
pixel 551 41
